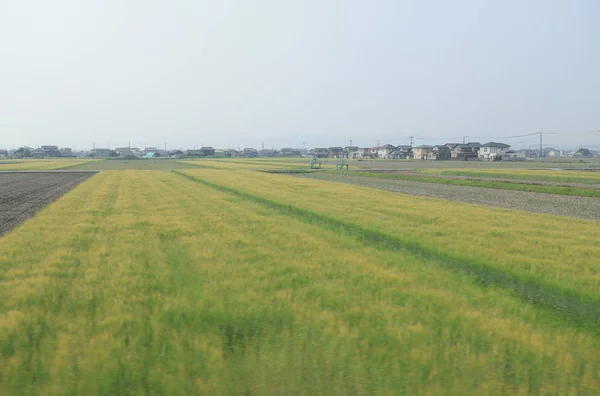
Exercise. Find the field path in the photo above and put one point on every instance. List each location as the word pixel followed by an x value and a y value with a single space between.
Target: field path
pixel 561 205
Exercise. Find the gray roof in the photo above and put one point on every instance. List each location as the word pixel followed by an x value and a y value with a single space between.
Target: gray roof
pixel 494 144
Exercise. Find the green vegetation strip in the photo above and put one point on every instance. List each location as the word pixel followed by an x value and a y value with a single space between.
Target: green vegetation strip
pixel 560 190
pixel 535 175
pixel 578 309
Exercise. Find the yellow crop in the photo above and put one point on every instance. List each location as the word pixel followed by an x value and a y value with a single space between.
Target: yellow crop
pixel 40 164
pixel 146 282
pixel 559 250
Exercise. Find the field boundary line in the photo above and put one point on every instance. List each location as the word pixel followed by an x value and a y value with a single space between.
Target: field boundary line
pixel 582 310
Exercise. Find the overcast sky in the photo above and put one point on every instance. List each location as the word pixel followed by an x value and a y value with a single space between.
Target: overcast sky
pixel 237 73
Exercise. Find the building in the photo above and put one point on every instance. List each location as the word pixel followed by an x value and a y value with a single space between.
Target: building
pixel 402 152
pixel 364 152
pixel 220 153
pixel 194 153
pixel 46 152
pixel 491 150
pixel 420 152
pixel 267 153
pixel 439 152
pixel 335 152
pixel 3 153
pixel 385 151
pixel 462 152
pixel 320 152
pixel 249 152
pixel 351 151
pixel 511 155
pixel 290 152
pixel 100 152
pixel 231 153
pixel 207 151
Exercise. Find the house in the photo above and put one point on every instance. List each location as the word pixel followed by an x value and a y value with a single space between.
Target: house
pixel 194 153
pixel 420 152
pixel 267 153
pixel 475 146
pixel 289 152
pixel 3 153
pixel 207 151
pixel 219 153
pixel 491 150
pixel 511 155
pixel 363 152
pixel 320 152
pixel 462 152
pixel 401 152
pixel 439 152
pixel 231 153
pixel 335 152
pixel 351 151
pixel 176 154
pixel 50 151
pixel 100 152
pixel 385 151
pixel 249 152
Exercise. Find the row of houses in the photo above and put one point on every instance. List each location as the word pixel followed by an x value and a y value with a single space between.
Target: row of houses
pixel 456 151
pixel 449 151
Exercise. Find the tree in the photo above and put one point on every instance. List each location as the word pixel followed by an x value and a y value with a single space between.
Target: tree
pixel 23 152
pixel 583 152
pixel 443 153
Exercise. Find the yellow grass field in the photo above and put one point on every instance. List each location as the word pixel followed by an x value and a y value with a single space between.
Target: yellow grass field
pixel 154 282
pixel 41 164
pixel 530 246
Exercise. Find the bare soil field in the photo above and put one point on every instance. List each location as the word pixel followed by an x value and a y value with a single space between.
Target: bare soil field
pixel 579 207
pixel 23 194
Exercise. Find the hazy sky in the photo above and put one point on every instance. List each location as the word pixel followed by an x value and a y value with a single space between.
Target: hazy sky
pixel 237 73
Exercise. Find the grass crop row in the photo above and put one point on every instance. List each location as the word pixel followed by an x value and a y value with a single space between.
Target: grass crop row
pixel 560 190
pixel 558 255
pixel 159 285
pixel 523 174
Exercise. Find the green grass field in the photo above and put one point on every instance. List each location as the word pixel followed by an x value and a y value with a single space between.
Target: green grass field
pixel 561 190
pixel 234 282
pixel 568 176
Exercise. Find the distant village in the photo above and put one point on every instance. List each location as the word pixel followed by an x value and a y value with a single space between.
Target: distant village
pixel 491 151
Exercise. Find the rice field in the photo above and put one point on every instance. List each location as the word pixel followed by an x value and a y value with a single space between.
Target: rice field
pixel 590 177
pixel 213 279
pixel 42 164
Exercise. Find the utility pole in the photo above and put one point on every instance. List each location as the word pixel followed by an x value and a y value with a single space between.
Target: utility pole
pixel 411 140
pixel 350 142
pixel 541 149
pixel 165 146
pixel 464 137
pixel 377 142
pixel 263 145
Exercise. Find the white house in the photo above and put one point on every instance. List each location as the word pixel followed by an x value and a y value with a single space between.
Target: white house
pixel 385 151
pixel 491 150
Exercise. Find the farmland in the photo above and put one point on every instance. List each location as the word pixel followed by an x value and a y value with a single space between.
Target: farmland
pixel 42 164
pixel 216 279
pixel 23 194
pixel 561 202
